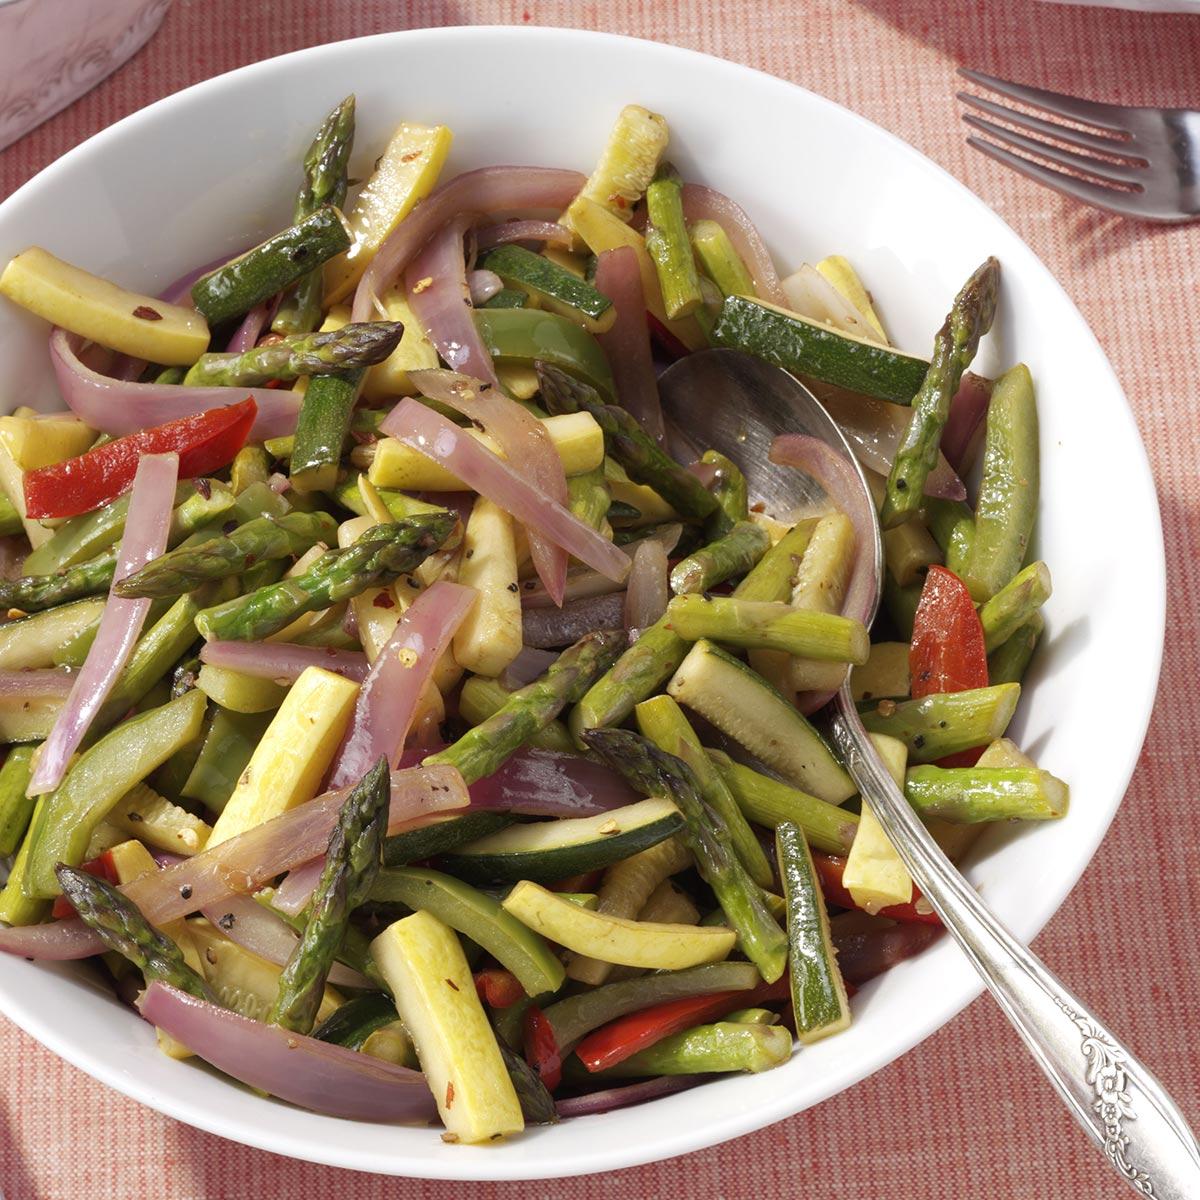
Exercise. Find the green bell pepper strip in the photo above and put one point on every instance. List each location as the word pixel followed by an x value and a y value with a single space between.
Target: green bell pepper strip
pixel 225 754
pixel 528 335
pixel 99 778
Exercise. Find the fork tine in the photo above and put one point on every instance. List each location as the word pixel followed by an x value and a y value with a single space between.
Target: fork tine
pixel 1064 133
pixel 1130 203
pixel 1106 171
pixel 1103 116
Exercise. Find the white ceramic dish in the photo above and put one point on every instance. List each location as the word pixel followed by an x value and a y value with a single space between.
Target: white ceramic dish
pixel 817 179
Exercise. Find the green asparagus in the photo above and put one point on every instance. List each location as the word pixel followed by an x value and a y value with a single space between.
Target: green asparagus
pixel 952 524
pixel 656 773
pixel 731 555
pixel 16 807
pixel 1009 663
pixel 1012 606
pixel 763 625
pixel 662 721
pixel 588 497
pixel 325 182
pixel 350 348
pixel 400 505
pixel 668 245
pixel 1008 490
pixel 722 1047
pixel 968 795
pixel 769 802
pixel 482 698
pixel 731 494
pixel 953 349
pixel 122 928
pixel 181 570
pixel 272 267
pixel 481 750
pixel 251 464
pixel 628 443
pixel 721 262
pixel 381 554
pixel 351 864
pixel 537 1105
pixel 636 675
pixel 773 576
pixel 945 723
pixel 33 593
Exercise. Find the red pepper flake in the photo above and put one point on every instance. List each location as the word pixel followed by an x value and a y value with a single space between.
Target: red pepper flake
pixel 146 313
pixel 452 984
pixel 383 600
pixel 450 1093
pixel 411 156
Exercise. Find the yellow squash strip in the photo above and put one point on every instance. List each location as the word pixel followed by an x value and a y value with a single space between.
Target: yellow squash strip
pixel 423 964
pixel 627 164
pixel 143 813
pixel 576 436
pixel 102 312
pixel 292 758
pixel 843 278
pixel 617 939
pixel 404 173
pixel 34 443
pixel 874 874
pixel 414 353
pixel 490 636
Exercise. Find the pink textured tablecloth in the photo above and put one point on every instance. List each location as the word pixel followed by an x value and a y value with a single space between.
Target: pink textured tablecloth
pixel 966 1114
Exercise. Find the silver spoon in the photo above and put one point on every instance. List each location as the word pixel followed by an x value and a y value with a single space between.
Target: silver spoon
pixel 736 404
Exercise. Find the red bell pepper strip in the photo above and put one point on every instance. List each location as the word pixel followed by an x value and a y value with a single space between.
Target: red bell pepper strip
pixel 624 1037
pixel 948 652
pixel 205 443
pixel 103 867
pixel 830 868
pixel 541 1047
pixel 498 988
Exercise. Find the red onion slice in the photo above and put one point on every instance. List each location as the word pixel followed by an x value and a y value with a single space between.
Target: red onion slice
pixel 180 291
pixel 702 203
pixel 483 285
pixel 292 895
pixel 866 953
pixel 486 191
pixel 874 430
pixel 388 698
pixel 436 281
pixel 260 931
pixel 648 591
pixel 968 410
pixel 547 783
pixel 523 439
pixel 316 1075
pixel 627 344
pixel 845 490
pixel 526 667
pixel 246 335
pixel 548 628
pixel 145 538
pixel 610 1099
pixel 118 407
pixel 46 684
pixel 550 232
pixel 488 474
pixel 284 662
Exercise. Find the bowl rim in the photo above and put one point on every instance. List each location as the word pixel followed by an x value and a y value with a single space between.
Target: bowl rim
pixel 268 1136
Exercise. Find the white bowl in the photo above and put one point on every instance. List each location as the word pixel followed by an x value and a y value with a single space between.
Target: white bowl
pixel 818 180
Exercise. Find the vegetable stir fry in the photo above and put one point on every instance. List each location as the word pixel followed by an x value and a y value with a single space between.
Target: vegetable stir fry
pixel 405 730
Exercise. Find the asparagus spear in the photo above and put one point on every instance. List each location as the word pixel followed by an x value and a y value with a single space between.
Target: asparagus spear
pixel 952 524
pixel 181 570
pixel 481 698
pixel 763 625
pixel 122 928
pixel 773 576
pixel 273 266
pixel 723 1046
pixel 730 490
pixel 721 262
pixel 351 863
pixel 627 442
pixel 668 245
pixel 733 554
pixel 32 593
pixel 1008 664
pixel 16 807
pixel 383 553
pixel 325 182
pixel 537 1105
pixel 481 750
pixel 350 348
pixel 967 795
pixel 969 319
pixel 946 722
pixel 1012 606
pixel 636 675
pixel 653 772
pixel 588 497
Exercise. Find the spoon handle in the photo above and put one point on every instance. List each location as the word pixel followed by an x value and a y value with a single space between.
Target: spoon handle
pixel 1114 1097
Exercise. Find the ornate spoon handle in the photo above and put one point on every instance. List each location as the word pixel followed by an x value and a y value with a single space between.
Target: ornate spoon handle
pixel 1113 1096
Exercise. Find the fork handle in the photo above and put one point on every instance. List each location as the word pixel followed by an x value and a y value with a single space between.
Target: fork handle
pixel 1120 1104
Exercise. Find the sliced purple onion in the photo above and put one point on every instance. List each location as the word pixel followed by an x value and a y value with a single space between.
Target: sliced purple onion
pixel 548 628
pixel 648 591
pixel 441 440
pixel 316 1075
pixel 863 954
pixel 145 538
pixel 968 411
pixel 483 285
pixel 610 1099
pixel 292 895
pixel 703 203
pixel 118 407
pixel 548 783
pixel 487 236
pixel 529 664
pixel 284 662
pixel 246 335
pixel 487 191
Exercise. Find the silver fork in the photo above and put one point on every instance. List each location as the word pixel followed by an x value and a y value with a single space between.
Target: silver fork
pixel 1144 162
